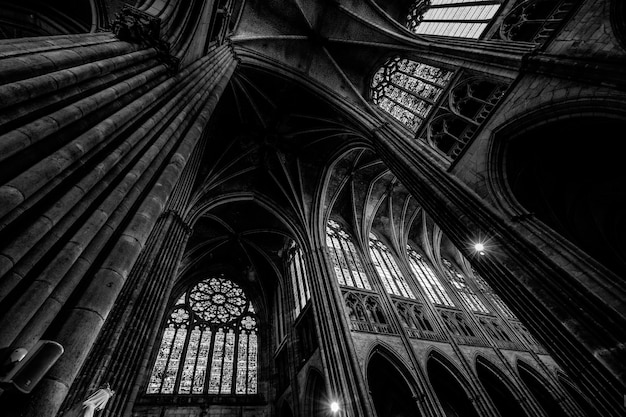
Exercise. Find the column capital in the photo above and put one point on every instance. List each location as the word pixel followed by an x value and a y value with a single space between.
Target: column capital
pixel 135 26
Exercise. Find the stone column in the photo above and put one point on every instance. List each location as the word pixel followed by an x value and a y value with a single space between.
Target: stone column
pixel 89 176
pixel 345 379
pixel 581 330
pixel 121 352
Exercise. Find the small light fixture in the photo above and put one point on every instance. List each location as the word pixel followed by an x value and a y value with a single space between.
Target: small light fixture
pixel 334 406
pixel 480 248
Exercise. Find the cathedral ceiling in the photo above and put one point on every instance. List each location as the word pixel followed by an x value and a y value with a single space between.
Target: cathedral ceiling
pixel 277 157
pixel 338 44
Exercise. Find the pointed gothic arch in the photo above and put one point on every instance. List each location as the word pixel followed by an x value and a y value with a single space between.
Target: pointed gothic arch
pixel 502 392
pixel 450 386
pixel 315 395
pixel 541 390
pixel 390 384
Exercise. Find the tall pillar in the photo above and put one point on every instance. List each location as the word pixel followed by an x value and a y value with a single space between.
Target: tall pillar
pixel 582 330
pixel 92 146
pixel 120 354
pixel 345 378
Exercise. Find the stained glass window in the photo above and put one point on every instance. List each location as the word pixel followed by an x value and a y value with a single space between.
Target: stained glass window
pixel 408 90
pixel 432 286
pixel 388 270
pixel 209 344
pixel 299 280
pixel 344 258
pixel 459 18
pixel 465 293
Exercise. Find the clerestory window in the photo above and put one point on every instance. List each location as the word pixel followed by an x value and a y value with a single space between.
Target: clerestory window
pixel 299 281
pixel 345 258
pixel 209 344
pixel 432 286
pixel 458 18
pixel 465 292
pixel 409 90
pixel 388 270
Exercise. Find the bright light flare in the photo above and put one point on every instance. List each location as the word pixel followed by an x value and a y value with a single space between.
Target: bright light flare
pixel 480 248
pixel 334 406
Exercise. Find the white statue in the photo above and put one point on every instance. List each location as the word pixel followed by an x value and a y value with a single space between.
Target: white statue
pixel 96 401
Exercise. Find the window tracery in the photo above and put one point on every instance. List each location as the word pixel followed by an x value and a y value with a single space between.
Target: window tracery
pixel 299 279
pixel 209 344
pixel 456 121
pixel 416 321
pixel 365 312
pixel 535 20
pixel 465 293
pixel 408 90
pixel 457 18
pixel 458 326
pixel 344 258
pixel 432 286
pixel 390 275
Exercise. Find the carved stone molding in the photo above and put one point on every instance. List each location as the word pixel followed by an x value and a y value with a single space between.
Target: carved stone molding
pixel 133 25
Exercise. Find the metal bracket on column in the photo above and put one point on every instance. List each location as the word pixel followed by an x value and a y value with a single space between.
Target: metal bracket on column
pixel 133 25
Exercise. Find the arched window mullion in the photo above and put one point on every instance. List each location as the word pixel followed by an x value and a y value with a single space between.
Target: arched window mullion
pixel 385 280
pixel 169 355
pixel 233 382
pixel 430 101
pixel 348 255
pixel 207 375
pixel 399 276
pixel 358 264
pixel 305 280
pixel 421 79
pixel 339 253
pixel 405 107
pixel 389 270
pixel 183 355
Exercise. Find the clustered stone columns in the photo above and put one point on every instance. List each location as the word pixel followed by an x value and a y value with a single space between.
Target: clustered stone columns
pixel 95 134
pixel 343 375
pixel 541 292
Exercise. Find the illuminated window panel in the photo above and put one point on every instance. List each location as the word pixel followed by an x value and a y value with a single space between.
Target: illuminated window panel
pixel 408 90
pixel 345 258
pixel 458 18
pixel 388 270
pixel 213 326
pixel 299 280
pixel 427 279
pixel 466 294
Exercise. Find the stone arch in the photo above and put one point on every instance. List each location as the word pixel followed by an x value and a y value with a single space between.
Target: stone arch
pixel 500 389
pixel 315 395
pixel 450 386
pixel 391 386
pixel 572 186
pixel 541 390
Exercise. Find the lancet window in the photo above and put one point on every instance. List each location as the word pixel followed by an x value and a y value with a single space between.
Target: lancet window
pixel 432 286
pixel 458 18
pixel 408 90
pixel 344 258
pixel 299 280
pixel 209 344
pixel 465 292
pixel 388 270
